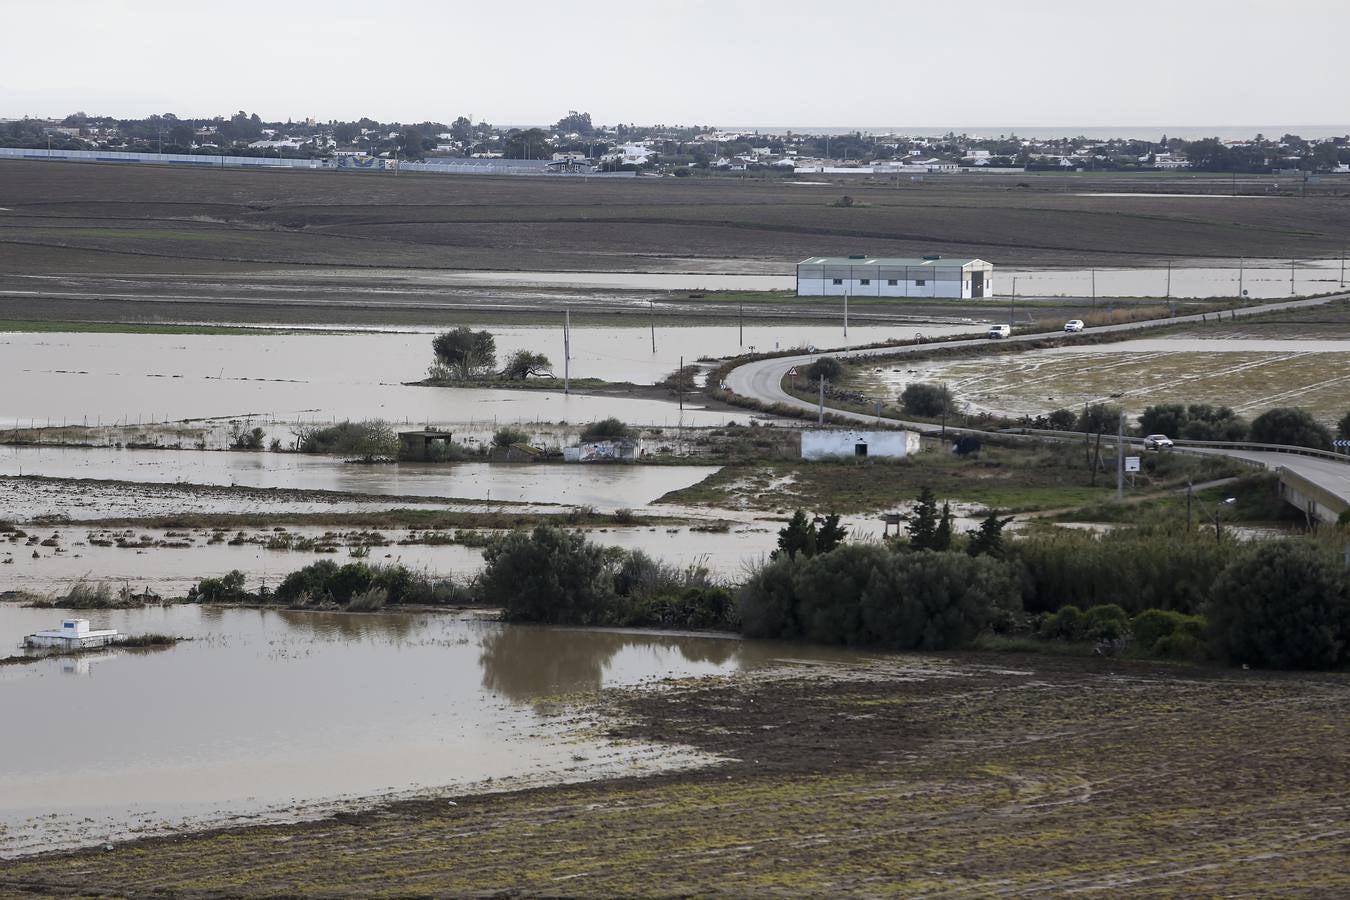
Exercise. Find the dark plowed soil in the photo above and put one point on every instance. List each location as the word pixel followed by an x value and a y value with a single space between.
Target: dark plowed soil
pixel 964 776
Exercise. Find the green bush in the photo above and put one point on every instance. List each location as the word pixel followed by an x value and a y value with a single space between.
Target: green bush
pixel 865 594
pixel 226 589
pixel 1153 625
pixel 325 581
pixel 610 429
pixel 1105 622
pixel 826 367
pixel 549 575
pixel 310 581
pixel 1135 568
pixel 1284 606
pixel 931 400
pixel 1179 646
pixel 350 580
pixel 1290 425
pixel 367 440
pixel 509 436
pixel 1066 624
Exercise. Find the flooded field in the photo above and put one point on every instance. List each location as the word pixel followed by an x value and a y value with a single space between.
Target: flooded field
pixel 277 715
pixel 168 562
pixel 103 378
pixel 604 487
pixel 1269 278
pixel 1248 375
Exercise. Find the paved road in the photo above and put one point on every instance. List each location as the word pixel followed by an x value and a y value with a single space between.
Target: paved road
pixel 762 380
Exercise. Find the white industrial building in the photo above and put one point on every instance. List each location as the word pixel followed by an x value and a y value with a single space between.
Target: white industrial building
pixel 823 443
pixel 872 276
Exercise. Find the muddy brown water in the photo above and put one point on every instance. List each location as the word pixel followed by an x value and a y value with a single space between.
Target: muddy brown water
pixel 602 486
pixel 277 715
pixel 85 378
pixel 190 556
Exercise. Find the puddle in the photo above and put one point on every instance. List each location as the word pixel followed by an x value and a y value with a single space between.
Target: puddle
pixel 277 715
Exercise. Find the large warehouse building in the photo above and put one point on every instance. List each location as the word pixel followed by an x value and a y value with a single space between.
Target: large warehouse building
pixel 871 276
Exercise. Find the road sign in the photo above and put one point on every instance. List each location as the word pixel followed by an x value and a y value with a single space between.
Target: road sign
pixel 793 371
pixel 1340 443
pixel 1131 464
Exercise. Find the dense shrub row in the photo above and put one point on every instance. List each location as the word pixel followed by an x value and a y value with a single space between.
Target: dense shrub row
pixel 1280 604
pixel 355 586
pixel 556 576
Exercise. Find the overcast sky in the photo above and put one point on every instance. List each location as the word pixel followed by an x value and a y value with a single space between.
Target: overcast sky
pixel 789 62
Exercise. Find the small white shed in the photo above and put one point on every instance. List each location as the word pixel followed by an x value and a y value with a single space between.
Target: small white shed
pixel 73 634
pixel 826 442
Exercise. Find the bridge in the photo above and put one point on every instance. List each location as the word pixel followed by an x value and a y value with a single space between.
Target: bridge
pixel 1315 481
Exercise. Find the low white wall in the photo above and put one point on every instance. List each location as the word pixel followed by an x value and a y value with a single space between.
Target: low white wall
pixel 822 443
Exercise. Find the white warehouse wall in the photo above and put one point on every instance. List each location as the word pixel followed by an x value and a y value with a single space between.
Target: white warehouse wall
pixel 827 442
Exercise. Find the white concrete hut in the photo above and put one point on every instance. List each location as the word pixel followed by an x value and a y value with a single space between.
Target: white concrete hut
pixel 822 443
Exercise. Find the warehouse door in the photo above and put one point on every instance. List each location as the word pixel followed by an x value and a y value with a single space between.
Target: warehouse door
pixel 977 284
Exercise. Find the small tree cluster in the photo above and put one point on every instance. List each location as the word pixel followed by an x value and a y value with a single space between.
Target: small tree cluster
pixel 610 429
pixel 826 367
pixel 521 364
pixel 1292 426
pixel 1286 606
pixel 929 528
pixel 809 536
pixel 465 353
pixel 930 400
pixel 866 594
pixel 1194 421
pixel 508 436
pixel 369 440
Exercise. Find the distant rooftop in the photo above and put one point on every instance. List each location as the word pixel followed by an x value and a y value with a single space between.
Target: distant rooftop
pixel 890 261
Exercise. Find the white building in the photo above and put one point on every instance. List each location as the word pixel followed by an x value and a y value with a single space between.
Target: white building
pixel 74 634
pixel 871 276
pixel 829 442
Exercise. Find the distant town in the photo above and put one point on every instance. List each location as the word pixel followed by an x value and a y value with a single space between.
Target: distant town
pixel 574 143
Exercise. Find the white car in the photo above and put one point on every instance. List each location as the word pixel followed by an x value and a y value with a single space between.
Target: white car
pixel 1157 442
pixel 1073 325
pixel 1000 331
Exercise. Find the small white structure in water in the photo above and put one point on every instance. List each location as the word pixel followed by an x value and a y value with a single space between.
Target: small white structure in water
pixel 825 442
pixel 74 634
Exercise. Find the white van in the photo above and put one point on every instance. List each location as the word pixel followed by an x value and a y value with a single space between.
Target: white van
pixel 1000 331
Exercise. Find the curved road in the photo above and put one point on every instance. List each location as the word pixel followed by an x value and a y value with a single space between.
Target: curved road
pixel 762 380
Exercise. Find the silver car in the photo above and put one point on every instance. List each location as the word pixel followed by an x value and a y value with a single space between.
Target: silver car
pixel 1157 442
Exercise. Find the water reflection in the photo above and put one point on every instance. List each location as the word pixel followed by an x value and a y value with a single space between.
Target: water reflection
pixel 522 662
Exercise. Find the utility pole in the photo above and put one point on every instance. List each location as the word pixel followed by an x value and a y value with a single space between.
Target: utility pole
pixel 740 323
pixel 1169 279
pixel 845 313
pixel 820 411
pixel 1012 304
pixel 567 350
pixel 1342 267
pixel 1094 287
pixel 679 379
pixel 1242 266
pixel 1291 277
pixel 1120 459
pixel 652 306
